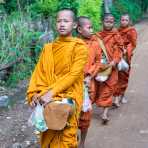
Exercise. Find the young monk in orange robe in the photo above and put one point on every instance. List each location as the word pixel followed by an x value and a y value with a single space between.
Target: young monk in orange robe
pixel 129 36
pixel 85 32
pixel 113 44
pixel 59 74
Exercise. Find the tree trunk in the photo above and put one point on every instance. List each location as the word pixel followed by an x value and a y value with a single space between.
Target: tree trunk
pixel 107 5
pixel 19 5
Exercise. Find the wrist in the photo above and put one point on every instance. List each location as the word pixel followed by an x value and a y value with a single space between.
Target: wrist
pixel 50 93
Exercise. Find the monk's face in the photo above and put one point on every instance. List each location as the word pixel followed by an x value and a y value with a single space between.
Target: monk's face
pixel 65 23
pixel 125 21
pixel 108 23
pixel 86 30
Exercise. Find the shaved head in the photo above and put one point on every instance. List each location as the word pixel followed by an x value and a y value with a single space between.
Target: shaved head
pixel 108 16
pixel 82 20
pixel 70 11
pixel 84 27
pixel 125 20
pixel 108 22
pixel 126 15
pixel 65 22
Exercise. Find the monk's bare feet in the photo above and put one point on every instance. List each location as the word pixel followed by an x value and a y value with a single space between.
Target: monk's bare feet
pixel 116 103
pixel 105 120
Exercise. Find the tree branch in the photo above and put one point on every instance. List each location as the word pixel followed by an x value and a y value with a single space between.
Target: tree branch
pixel 4 67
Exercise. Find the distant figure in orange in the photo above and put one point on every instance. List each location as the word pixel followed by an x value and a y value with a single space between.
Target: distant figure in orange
pixel 85 32
pixel 113 45
pixel 129 36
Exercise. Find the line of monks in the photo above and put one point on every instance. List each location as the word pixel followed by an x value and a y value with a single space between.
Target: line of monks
pixel 69 63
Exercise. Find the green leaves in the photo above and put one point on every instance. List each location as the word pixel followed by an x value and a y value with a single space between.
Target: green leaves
pixel 45 8
pixel 70 4
pixel 93 9
pixel 126 6
pixel 15 42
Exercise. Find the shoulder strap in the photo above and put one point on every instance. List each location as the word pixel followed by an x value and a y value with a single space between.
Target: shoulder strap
pixel 103 47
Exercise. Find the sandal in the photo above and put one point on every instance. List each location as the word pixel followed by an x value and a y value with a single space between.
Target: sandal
pixel 105 120
pixel 116 105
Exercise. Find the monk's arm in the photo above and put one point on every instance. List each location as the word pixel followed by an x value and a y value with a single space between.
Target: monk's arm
pixel 98 64
pixel 118 48
pixel 132 36
pixel 94 60
pixel 80 58
pixel 37 75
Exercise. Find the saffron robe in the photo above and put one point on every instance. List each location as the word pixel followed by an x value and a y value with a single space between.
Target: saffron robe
pixel 60 69
pixel 94 52
pixel 129 36
pixel 105 90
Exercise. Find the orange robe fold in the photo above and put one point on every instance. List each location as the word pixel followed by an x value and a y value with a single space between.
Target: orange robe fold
pixel 105 90
pixel 92 63
pixel 60 69
pixel 129 36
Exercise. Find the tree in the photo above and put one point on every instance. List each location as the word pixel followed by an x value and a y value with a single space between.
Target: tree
pixel 71 4
pixel 15 5
pixel 92 9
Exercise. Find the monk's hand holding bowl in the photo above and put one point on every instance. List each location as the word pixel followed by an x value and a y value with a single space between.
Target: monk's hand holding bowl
pixel 46 98
pixel 112 64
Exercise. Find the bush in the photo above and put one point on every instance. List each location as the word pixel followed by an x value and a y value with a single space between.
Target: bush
pixel 93 9
pixel 70 4
pixel 45 8
pixel 15 42
pixel 15 5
